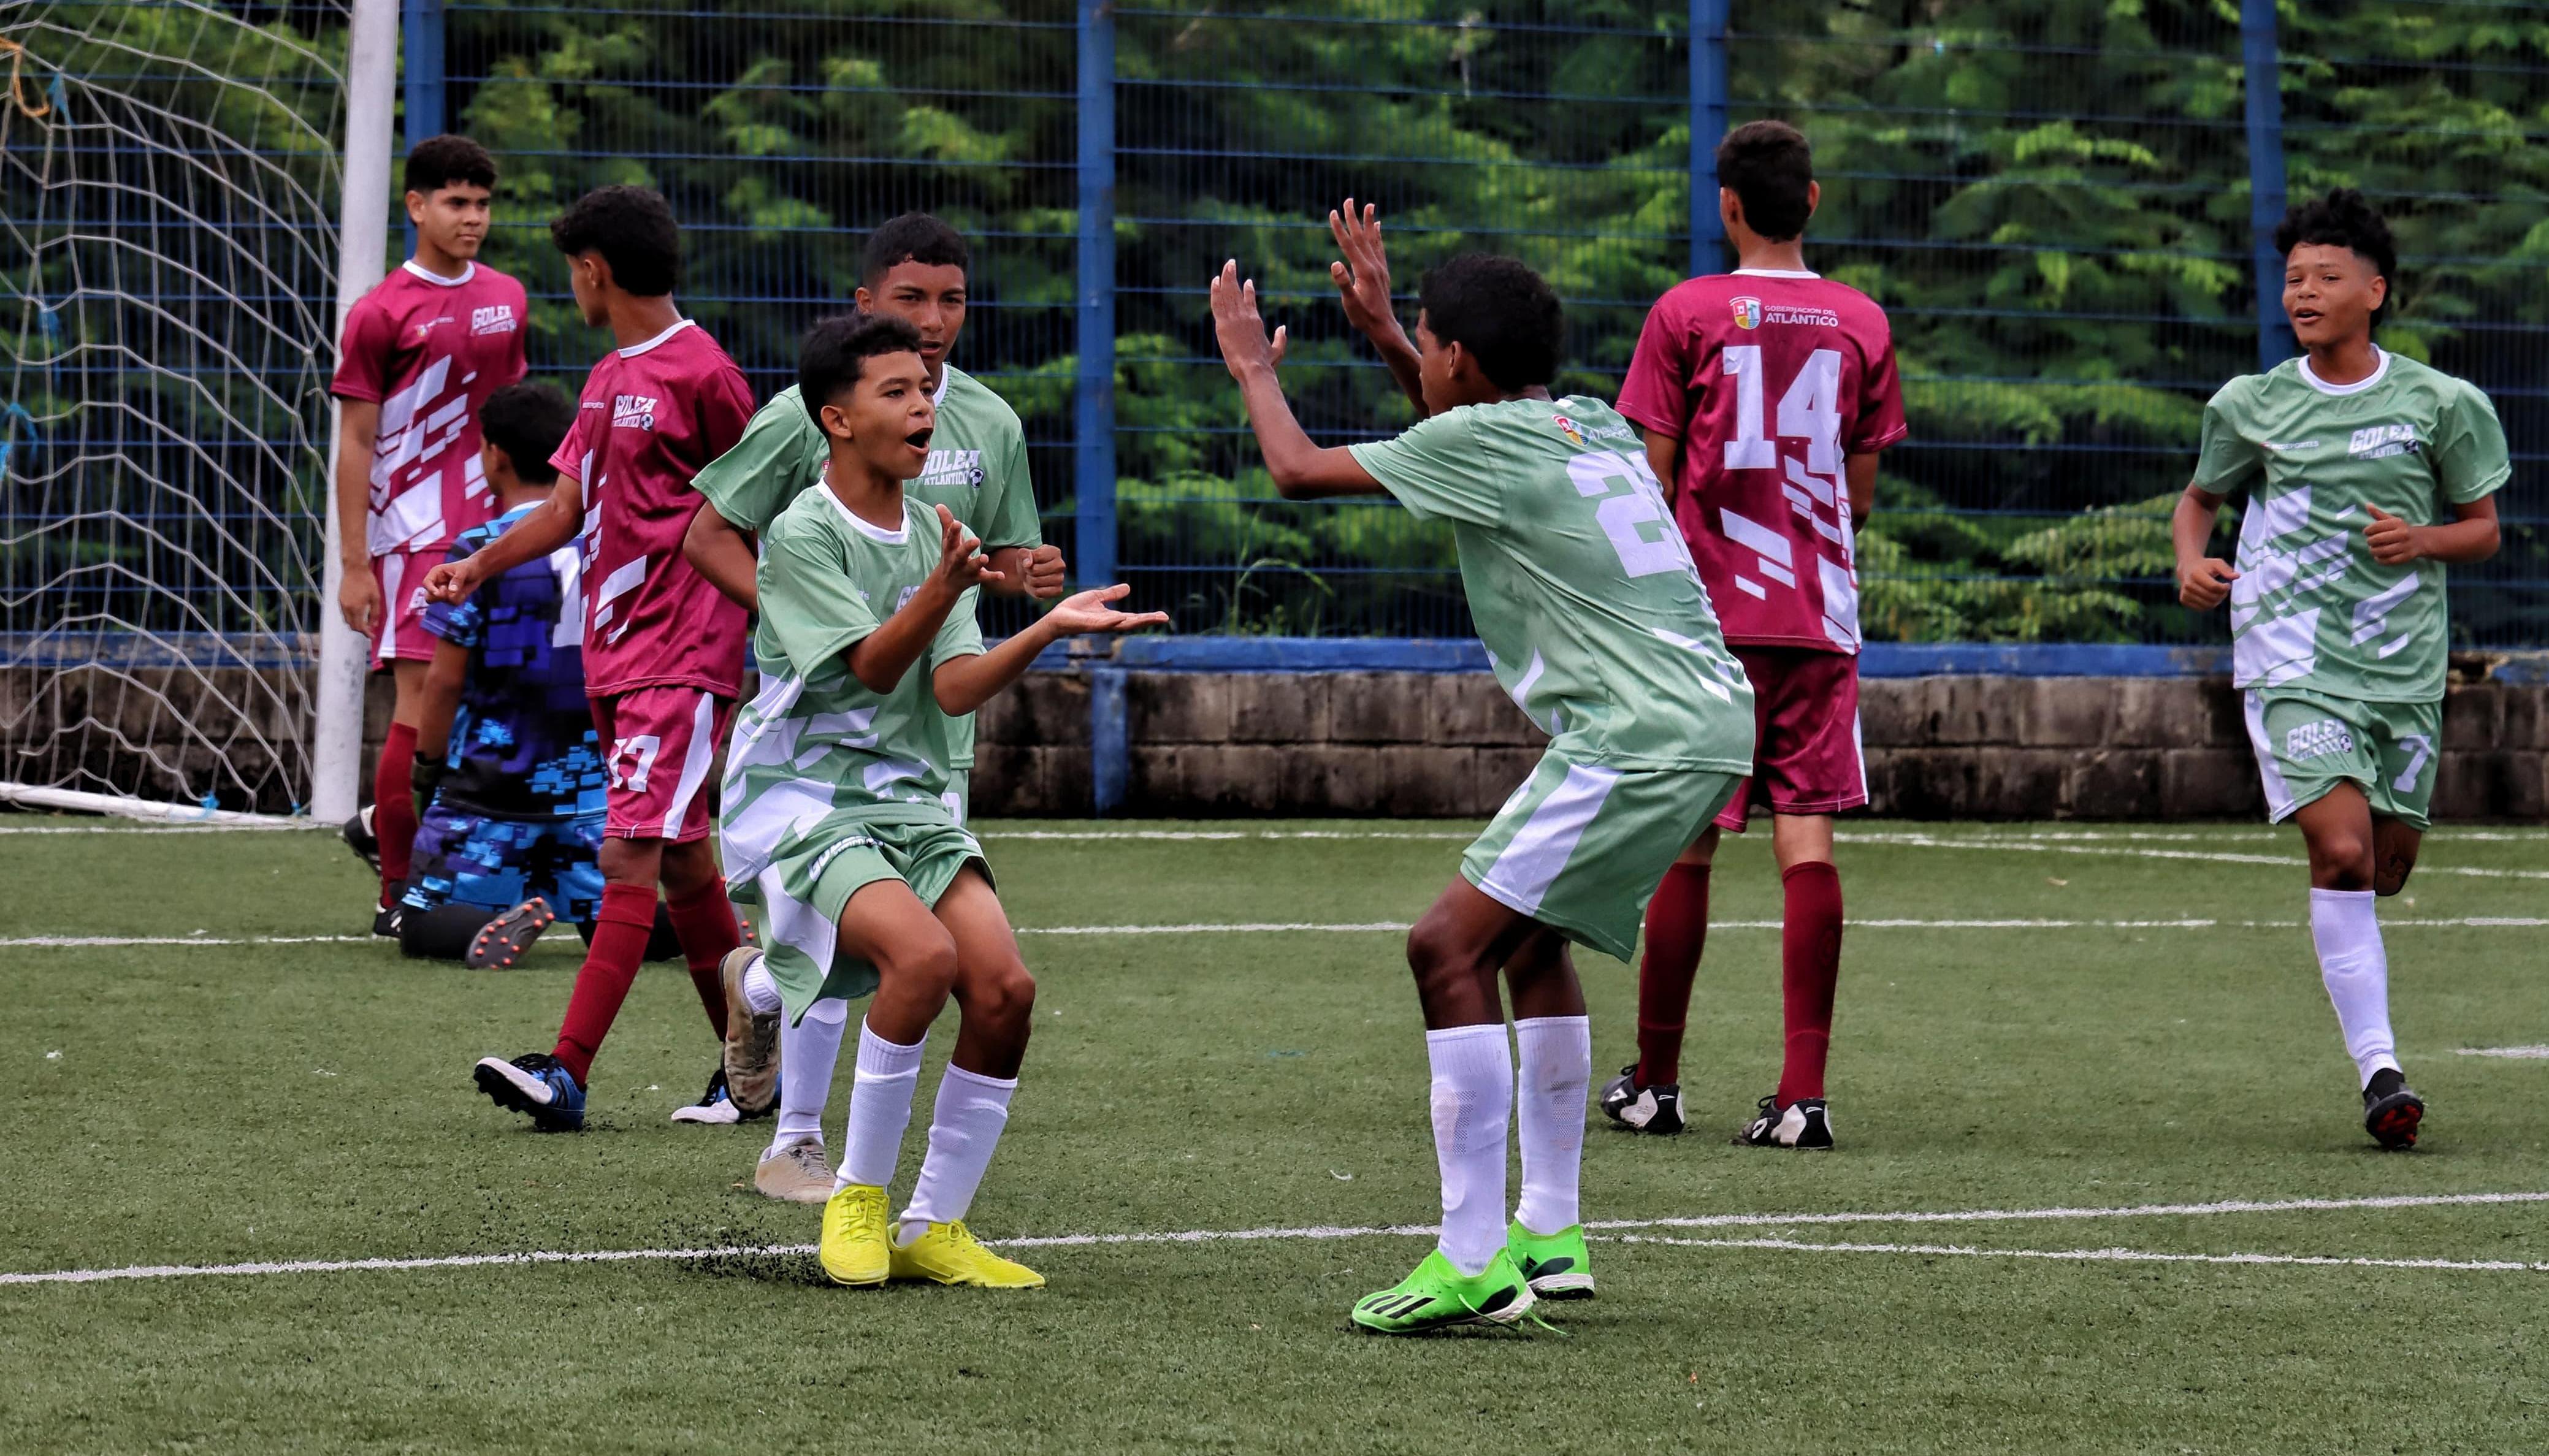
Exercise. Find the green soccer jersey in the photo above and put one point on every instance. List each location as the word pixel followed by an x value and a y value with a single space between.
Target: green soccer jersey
pixel 2311 607
pixel 978 470
pixel 815 754
pixel 1581 585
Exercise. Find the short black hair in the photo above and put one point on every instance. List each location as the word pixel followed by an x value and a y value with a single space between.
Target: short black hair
pixel 2343 219
pixel 1506 315
pixel 1770 166
pixel 632 228
pixel 837 350
pixel 437 163
pixel 527 422
pixel 913 238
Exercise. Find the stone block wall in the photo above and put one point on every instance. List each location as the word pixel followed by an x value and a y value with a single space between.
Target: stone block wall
pixel 1451 744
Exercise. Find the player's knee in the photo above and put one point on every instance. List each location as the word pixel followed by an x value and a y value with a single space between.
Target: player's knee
pixel 2340 859
pixel 1003 996
pixel 926 966
pixel 1437 951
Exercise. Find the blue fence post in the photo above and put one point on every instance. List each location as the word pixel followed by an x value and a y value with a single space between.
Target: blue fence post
pixel 1093 393
pixel 1707 128
pixel 2265 175
pixel 421 21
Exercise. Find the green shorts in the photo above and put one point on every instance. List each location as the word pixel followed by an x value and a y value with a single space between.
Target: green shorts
pixel 2307 744
pixel 1581 847
pixel 801 893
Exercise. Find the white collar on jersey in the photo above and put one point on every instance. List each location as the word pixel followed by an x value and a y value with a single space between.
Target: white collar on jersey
pixel 938 395
pixel 1776 273
pixel 468 271
pixel 2379 372
pixel 634 350
pixel 864 526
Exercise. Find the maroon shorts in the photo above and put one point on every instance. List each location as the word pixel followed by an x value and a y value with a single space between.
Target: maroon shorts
pixel 1805 757
pixel 661 742
pixel 400 633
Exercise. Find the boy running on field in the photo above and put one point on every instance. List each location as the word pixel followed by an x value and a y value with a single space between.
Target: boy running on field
pixel 508 771
pixel 423 351
pixel 663 651
pixel 1765 394
pixel 2366 475
pixel 1593 616
pixel 914 268
pixel 835 817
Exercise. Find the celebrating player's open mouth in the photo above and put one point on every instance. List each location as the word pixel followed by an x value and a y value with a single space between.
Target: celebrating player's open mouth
pixel 918 440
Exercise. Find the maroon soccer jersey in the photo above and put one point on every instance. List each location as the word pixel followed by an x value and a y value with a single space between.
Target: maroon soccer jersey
pixel 651 416
pixel 1768 379
pixel 429 350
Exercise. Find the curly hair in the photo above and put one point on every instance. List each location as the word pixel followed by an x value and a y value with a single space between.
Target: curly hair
pixel 2343 219
pixel 632 228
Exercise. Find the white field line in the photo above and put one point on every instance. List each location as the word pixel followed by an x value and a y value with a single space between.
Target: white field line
pixel 1182 835
pixel 156 829
pixel 2518 1054
pixel 1326 1233
pixel 2095 1255
pixel 1368 927
pixel 2217 856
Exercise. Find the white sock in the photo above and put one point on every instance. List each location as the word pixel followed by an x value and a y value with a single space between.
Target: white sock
pixel 880 1109
pixel 2356 971
pixel 1472 1096
pixel 808 1051
pixel 760 991
pixel 962 1132
pixel 1556 1056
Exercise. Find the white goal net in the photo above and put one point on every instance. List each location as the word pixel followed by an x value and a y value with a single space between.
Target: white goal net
pixel 169 178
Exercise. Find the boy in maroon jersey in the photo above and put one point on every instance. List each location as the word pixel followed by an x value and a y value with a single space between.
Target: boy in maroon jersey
pixel 1764 395
pixel 421 352
pixel 663 649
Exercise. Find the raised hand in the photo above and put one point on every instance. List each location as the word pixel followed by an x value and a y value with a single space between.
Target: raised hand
pixel 2202 585
pixel 1362 274
pixel 961 562
pixel 1239 328
pixel 1045 572
pixel 2393 542
pixel 452 581
pixel 1090 611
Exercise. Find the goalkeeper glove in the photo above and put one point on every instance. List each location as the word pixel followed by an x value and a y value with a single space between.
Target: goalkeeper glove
pixel 424 776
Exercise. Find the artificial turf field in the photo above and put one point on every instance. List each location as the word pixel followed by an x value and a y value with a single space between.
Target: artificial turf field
pixel 253 1102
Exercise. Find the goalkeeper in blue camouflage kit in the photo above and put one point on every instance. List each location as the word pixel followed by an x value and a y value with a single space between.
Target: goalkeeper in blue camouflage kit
pixel 509 775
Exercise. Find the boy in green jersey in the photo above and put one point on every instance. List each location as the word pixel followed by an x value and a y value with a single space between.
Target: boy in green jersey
pixel 2366 473
pixel 914 268
pixel 1592 615
pixel 835 820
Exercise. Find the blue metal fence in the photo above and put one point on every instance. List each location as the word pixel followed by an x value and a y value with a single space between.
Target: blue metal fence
pixel 2061 206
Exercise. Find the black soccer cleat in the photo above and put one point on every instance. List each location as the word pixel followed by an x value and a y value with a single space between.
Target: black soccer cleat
pixel 504 939
pixel 1638 1109
pixel 1803 1125
pixel 2392 1109
pixel 359 837
pixel 385 918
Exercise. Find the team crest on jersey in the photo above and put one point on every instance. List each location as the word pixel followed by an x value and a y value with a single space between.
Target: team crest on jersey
pixel 952 468
pixel 492 319
pixel 1748 312
pixel 633 412
pixel 2377 441
pixel 1568 428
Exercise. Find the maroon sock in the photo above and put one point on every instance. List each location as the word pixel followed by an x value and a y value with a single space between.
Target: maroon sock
pixel 705 921
pixel 394 807
pixel 620 935
pixel 1809 968
pixel 1676 930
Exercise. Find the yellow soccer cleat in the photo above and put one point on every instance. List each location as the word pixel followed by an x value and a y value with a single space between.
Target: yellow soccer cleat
pixel 947 1254
pixel 857 1249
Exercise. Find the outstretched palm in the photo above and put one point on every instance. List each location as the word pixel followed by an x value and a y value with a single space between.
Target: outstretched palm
pixel 1363 275
pixel 1092 611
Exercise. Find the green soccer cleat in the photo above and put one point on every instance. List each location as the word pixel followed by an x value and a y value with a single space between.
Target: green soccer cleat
pixel 1554 1265
pixel 1438 1295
